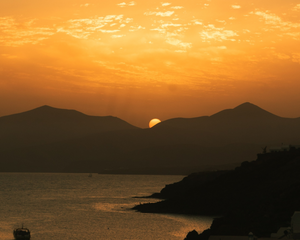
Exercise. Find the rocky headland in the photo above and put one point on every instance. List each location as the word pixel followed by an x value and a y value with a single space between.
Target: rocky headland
pixel 259 196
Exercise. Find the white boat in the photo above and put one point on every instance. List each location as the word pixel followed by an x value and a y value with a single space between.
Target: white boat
pixel 21 233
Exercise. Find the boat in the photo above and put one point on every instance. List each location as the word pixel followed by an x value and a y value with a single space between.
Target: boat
pixel 21 233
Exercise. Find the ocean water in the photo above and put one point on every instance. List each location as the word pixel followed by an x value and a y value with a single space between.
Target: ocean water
pixel 75 206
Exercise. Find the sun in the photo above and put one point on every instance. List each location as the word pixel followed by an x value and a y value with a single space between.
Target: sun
pixel 153 122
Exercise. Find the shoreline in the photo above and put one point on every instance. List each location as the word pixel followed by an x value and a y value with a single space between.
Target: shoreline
pixel 259 196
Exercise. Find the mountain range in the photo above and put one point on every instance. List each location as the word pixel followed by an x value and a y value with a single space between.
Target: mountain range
pixel 48 139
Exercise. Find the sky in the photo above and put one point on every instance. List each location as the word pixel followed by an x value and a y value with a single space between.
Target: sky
pixel 139 60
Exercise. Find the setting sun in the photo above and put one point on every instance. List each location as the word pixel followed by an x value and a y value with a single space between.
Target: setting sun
pixel 136 59
pixel 79 81
pixel 153 122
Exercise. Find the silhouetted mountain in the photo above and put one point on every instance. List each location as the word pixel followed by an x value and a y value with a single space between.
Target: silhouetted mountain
pixel 51 139
pixel 246 123
pixel 246 111
pixel 259 196
pixel 47 124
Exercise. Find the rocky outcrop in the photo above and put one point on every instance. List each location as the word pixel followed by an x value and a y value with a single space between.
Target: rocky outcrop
pixel 188 184
pixel 258 196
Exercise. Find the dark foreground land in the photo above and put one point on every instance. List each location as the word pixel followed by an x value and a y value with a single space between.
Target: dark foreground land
pixel 259 196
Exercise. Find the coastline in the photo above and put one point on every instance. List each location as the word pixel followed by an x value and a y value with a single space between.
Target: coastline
pixel 259 196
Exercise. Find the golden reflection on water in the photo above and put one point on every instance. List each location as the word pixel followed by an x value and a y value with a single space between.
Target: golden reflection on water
pixel 73 206
pixel 189 223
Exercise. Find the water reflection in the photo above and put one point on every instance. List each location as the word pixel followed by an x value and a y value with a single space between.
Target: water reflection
pixel 74 206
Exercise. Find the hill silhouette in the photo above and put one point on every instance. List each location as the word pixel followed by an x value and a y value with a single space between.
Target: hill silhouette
pixel 60 140
pixel 259 196
pixel 47 124
pixel 245 111
pixel 247 123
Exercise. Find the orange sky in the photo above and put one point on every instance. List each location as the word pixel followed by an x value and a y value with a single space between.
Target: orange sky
pixel 138 60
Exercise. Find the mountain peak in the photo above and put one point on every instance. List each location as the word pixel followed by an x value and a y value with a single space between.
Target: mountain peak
pixel 46 109
pixel 251 109
pixel 245 110
pixel 248 106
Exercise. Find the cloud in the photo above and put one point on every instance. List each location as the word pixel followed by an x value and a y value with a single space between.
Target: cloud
pixel 85 5
pixel 162 14
pixel 15 34
pixel 76 33
pixel 165 14
pixel 217 34
pixel 297 8
pixel 135 28
pixel 165 25
pixel 236 6
pixel 169 31
pixel 84 28
pixel 196 22
pixel 294 35
pixel 159 30
pixel 123 4
pixel 177 7
pixel 109 31
pixel 178 43
pixel 276 21
pixel 127 20
pixel 117 36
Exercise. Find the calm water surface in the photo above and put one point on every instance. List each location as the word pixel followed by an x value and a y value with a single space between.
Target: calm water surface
pixel 75 206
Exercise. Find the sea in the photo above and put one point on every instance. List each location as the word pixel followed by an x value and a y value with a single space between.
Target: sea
pixel 70 206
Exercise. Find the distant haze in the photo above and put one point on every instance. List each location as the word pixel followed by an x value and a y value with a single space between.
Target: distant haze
pixel 138 60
